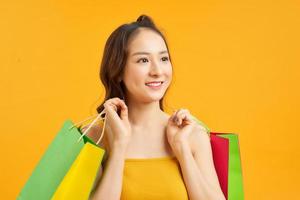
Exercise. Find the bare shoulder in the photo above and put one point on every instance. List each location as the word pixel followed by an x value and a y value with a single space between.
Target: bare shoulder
pixel 199 137
pixel 199 131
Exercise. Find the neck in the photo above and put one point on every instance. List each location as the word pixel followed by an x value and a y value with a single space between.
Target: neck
pixel 144 114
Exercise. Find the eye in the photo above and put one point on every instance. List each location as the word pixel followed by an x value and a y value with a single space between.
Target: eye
pixel 143 59
pixel 166 58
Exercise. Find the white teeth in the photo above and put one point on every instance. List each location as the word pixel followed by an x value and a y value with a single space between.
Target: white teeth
pixel 154 84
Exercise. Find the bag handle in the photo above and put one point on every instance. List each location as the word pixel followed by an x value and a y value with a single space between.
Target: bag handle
pixel 99 116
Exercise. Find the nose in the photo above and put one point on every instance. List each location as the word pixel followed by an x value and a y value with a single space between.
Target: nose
pixel 155 69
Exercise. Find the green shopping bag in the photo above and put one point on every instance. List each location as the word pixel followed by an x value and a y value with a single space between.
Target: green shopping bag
pixel 56 162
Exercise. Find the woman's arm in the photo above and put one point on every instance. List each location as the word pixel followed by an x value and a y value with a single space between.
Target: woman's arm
pixel 110 184
pixel 202 152
pixel 195 180
pixel 113 166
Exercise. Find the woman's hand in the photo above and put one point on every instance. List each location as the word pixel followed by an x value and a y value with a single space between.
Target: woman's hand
pixel 117 128
pixel 179 128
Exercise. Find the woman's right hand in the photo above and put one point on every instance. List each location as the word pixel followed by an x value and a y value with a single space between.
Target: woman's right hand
pixel 117 128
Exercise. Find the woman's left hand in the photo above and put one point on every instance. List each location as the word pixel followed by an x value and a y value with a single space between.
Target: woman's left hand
pixel 179 128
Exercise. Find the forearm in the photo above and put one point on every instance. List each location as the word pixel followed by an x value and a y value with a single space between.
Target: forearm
pixel 197 187
pixel 110 186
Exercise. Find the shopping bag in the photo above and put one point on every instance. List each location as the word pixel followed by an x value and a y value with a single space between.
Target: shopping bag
pixel 227 161
pixel 235 177
pixel 56 161
pixel 79 180
pixel 220 151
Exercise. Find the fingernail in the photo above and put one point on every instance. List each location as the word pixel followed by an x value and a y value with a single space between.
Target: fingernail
pixel 174 119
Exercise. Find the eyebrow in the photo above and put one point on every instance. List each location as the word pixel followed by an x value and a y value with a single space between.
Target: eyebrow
pixel 142 52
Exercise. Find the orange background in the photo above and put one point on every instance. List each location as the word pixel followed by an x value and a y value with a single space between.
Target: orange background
pixel 236 67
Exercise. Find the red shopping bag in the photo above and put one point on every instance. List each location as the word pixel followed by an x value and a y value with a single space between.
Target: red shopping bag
pixel 220 150
pixel 227 161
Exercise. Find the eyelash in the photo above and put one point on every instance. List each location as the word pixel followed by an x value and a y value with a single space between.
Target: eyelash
pixel 146 58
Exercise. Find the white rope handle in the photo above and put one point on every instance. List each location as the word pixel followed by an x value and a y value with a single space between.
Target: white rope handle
pixel 90 126
pixel 102 133
pixel 83 121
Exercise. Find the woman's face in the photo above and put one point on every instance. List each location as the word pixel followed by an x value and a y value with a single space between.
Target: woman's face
pixel 147 61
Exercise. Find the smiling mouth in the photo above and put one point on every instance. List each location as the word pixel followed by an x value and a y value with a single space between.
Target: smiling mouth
pixel 155 84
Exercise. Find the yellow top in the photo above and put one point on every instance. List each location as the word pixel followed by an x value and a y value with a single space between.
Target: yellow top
pixel 153 178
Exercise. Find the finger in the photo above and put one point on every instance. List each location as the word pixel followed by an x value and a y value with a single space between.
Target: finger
pixel 124 110
pixel 110 109
pixel 110 105
pixel 120 104
pixel 173 117
pixel 116 102
pixel 176 118
pixel 187 119
pixel 184 116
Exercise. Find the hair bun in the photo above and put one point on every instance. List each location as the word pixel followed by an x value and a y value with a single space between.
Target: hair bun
pixel 145 20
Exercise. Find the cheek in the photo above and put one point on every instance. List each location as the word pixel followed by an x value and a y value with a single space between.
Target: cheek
pixel 136 75
pixel 169 71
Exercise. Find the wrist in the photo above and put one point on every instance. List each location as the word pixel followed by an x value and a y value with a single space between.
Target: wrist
pixel 117 152
pixel 182 145
pixel 183 150
pixel 119 146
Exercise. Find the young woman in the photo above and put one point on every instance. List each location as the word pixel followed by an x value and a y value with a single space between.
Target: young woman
pixel 151 154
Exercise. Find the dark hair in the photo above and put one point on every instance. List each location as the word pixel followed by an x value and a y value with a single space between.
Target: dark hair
pixel 115 57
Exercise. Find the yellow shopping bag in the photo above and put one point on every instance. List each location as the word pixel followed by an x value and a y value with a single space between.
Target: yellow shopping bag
pixel 79 180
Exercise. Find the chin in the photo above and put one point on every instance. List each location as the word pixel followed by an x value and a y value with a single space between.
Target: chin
pixel 156 97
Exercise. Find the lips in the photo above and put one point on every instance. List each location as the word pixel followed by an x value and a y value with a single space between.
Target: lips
pixel 154 82
pixel 155 85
